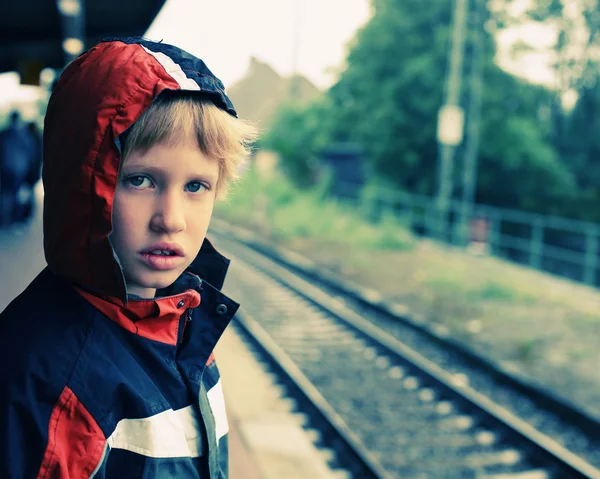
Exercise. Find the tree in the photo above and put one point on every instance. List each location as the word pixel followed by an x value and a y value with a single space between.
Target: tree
pixel 387 99
pixel 389 96
pixel 574 58
pixel 297 134
pixel 581 149
pixel 519 167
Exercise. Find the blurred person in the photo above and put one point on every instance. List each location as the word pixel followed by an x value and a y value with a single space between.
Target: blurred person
pixel 16 158
pixel 106 357
pixel 25 204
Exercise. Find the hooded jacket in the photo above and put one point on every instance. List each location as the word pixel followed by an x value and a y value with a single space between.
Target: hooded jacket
pixel 95 384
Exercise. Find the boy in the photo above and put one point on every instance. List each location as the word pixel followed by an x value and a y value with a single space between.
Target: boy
pixel 106 358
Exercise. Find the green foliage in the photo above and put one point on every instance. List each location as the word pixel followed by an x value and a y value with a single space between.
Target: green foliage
pixel 452 282
pixel 515 154
pixel 532 155
pixel 388 98
pixel 297 134
pixel 580 146
pixel 280 209
pixel 527 350
pixel 574 62
pixel 401 112
pixel 497 290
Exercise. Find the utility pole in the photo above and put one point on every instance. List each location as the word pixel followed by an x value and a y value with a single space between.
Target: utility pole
pixel 294 84
pixel 469 174
pixel 451 118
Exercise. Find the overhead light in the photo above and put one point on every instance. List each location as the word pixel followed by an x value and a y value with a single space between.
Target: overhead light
pixel 73 46
pixel 47 76
pixel 69 7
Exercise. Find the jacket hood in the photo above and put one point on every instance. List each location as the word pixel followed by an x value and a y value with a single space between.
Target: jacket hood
pixel 99 96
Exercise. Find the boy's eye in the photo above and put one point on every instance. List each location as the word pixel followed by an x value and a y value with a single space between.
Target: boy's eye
pixel 138 181
pixel 195 186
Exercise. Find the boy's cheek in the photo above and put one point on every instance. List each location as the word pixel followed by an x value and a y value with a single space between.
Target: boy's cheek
pixel 128 208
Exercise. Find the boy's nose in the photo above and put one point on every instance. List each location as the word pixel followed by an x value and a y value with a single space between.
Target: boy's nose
pixel 169 216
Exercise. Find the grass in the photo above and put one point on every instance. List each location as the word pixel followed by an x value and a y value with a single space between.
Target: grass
pixel 286 214
pixel 305 219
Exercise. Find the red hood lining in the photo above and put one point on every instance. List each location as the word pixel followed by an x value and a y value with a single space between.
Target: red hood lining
pixel 106 90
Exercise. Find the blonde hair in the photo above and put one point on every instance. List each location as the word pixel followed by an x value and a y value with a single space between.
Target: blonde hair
pixel 175 118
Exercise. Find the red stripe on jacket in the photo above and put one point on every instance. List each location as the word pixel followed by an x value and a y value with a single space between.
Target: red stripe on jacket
pixel 75 441
pixel 211 359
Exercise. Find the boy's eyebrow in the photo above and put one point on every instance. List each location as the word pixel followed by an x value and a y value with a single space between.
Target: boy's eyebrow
pixel 160 170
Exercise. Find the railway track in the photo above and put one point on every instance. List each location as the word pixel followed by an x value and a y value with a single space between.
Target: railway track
pixel 385 409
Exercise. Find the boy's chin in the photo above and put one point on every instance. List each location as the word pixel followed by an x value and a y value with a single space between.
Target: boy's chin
pixel 159 280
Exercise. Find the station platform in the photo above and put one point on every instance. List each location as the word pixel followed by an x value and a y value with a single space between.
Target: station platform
pixel 266 439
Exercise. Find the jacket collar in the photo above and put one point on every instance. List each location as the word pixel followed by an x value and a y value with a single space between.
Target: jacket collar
pixel 159 318
pixel 210 265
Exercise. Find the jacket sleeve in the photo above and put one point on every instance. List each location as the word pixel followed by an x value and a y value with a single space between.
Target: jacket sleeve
pixel 45 429
pixel 22 435
pixel 42 438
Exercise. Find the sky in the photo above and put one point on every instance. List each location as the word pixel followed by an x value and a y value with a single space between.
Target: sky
pixel 310 36
pixel 534 65
pixel 227 33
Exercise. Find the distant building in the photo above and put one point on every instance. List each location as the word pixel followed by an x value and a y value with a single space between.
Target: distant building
pixel 346 164
pixel 259 94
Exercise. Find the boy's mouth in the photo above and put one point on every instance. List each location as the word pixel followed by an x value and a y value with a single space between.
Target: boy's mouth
pixel 163 249
pixel 163 252
pixel 163 256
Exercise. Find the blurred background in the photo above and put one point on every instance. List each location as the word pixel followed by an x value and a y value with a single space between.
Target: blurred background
pixel 442 157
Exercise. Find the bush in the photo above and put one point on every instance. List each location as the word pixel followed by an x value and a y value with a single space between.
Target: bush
pixel 286 213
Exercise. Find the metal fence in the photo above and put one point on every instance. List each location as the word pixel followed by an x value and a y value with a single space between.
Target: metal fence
pixel 559 246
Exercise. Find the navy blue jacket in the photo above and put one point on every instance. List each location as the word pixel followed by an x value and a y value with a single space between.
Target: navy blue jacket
pixel 84 397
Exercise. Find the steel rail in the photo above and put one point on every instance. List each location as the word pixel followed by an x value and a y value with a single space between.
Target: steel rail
pixel 356 456
pixel 545 449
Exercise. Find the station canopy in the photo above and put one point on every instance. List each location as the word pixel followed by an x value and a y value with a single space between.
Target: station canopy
pixel 33 32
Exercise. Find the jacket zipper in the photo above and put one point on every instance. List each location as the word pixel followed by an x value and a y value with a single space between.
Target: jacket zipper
pixel 185 318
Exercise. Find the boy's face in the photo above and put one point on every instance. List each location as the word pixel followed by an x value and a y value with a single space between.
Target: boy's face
pixel 162 207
